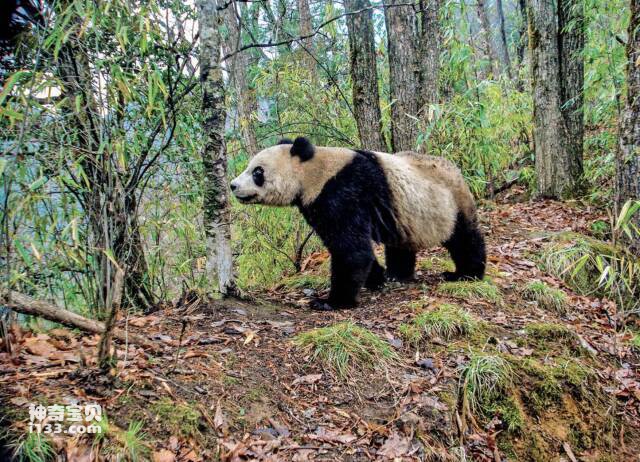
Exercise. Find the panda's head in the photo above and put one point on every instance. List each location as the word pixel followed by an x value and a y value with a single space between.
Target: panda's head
pixel 273 176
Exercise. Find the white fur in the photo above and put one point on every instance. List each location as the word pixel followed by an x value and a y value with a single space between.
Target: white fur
pixel 427 192
pixel 425 210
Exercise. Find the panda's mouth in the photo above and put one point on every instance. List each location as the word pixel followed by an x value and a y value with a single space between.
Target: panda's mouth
pixel 246 199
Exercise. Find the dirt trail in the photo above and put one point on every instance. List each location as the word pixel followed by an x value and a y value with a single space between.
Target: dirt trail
pixel 255 396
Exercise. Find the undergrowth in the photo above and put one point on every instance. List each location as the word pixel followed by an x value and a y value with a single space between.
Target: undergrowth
pixel 346 347
pixel 474 290
pixel 446 322
pixel 548 298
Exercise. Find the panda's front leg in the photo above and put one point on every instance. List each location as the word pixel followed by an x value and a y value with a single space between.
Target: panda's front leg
pixel 350 268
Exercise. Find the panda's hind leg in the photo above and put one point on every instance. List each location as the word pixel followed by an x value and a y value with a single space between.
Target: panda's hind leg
pixel 375 279
pixel 467 248
pixel 401 263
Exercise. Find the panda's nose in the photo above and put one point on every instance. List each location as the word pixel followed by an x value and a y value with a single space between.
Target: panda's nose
pixel 233 186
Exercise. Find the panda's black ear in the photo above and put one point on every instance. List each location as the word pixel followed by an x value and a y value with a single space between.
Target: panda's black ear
pixel 285 141
pixel 302 148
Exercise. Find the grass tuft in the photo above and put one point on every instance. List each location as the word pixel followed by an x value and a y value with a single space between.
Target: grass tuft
pixel 446 322
pixel 436 264
pixel 306 281
pixel 33 447
pixel 485 379
pixel 478 290
pixel 548 298
pixel 346 347
pixel 133 444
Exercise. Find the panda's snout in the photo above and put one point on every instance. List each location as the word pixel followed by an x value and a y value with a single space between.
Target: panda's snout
pixel 233 186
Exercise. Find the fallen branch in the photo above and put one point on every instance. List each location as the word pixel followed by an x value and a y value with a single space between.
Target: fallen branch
pixel 27 305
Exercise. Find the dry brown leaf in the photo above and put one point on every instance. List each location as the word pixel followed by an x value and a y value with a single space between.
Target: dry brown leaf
pixel 163 455
pixel 395 446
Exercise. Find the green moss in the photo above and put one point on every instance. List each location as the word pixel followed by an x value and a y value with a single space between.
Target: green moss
pixel 181 418
pixel 548 331
pixel 545 389
pixel 346 347
pixel 635 341
pixel 510 413
pixel 548 298
pixel 446 322
pixel 474 290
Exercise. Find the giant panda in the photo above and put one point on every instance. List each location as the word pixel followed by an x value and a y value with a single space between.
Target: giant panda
pixel 352 198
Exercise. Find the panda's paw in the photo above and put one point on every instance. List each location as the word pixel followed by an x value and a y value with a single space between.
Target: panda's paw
pixel 450 276
pixel 323 304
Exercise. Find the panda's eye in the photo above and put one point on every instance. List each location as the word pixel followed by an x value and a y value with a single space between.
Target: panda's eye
pixel 258 176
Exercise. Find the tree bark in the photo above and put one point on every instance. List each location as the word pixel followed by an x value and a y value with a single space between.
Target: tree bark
pixel 306 28
pixel 246 102
pixel 523 38
pixel 628 154
pixel 21 303
pixel 430 38
pixel 558 169
pixel 364 76
pixel 217 216
pixel 571 49
pixel 490 46
pixel 403 75
pixel 504 47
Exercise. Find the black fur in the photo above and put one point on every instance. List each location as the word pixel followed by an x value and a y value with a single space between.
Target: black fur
pixel 401 262
pixel 467 248
pixel 285 141
pixel 353 209
pixel 302 148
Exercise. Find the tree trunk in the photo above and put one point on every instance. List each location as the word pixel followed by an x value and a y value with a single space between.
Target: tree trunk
pixel 217 215
pixel 571 49
pixel 628 155
pixel 403 75
pixel 364 76
pixel 504 47
pixel 557 168
pixel 430 38
pixel 306 29
pixel 111 209
pixel 487 35
pixel 246 103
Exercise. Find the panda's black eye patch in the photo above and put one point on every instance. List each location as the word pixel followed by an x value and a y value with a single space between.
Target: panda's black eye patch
pixel 258 176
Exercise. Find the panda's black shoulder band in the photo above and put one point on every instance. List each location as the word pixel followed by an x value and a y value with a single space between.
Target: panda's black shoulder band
pixel 302 148
pixel 285 141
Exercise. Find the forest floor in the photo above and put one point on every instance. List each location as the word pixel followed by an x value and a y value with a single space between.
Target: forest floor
pixel 525 383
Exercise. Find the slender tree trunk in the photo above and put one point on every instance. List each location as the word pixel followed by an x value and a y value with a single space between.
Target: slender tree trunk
pixel 364 76
pixel 485 27
pixel 504 47
pixel 306 28
pixel 628 155
pixel 217 215
pixel 571 50
pixel 430 38
pixel 403 75
pixel 246 103
pixel 523 38
pixel 557 167
pixel 111 209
